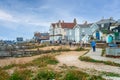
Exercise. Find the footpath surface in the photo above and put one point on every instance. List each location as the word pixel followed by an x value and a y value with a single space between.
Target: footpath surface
pixel 97 56
pixel 71 59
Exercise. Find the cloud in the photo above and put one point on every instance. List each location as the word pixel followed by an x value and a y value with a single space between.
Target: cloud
pixel 5 16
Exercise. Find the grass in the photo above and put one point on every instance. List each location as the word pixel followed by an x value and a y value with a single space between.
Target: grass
pixel 109 74
pixel 44 60
pixel 9 66
pixel 88 59
pixel 21 75
pixel 80 49
pixel 40 62
pixel 68 74
pixel 79 75
pixel 3 74
pixel 45 75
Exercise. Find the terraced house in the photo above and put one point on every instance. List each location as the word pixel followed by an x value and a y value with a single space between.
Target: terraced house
pixel 100 30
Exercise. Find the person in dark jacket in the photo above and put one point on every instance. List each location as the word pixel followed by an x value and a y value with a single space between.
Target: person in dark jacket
pixel 93 44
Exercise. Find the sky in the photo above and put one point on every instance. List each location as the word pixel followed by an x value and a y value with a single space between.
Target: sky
pixel 21 18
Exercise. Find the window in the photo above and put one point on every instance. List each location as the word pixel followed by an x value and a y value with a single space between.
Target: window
pixel 102 25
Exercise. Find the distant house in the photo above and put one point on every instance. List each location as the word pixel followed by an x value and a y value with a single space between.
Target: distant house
pixel 115 28
pixel 19 39
pixel 41 36
pixel 84 31
pixel 104 24
pixel 60 30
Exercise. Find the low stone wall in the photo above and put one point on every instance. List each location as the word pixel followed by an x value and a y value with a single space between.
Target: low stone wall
pixel 113 51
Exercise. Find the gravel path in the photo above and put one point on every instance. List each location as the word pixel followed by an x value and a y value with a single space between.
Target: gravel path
pixel 71 59
pixel 97 55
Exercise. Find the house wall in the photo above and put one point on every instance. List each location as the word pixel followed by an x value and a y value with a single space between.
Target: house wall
pixel 70 34
pixel 77 34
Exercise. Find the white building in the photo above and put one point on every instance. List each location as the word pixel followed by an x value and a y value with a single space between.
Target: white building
pixel 60 30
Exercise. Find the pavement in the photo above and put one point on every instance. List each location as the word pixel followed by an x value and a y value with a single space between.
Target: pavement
pixel 97 56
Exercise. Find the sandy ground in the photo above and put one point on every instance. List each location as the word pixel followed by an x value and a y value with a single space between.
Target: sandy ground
pixel 68 58
pixel 7 61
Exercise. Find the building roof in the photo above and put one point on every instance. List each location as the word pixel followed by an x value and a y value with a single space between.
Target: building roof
pixel 42 36
pixel 85 25
pixel 106 21
pixel 68 25
pixel 64 25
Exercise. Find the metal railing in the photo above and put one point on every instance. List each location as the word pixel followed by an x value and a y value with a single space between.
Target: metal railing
pixel 113 51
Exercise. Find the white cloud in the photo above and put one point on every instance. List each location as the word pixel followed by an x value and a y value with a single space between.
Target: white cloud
pixel 5 16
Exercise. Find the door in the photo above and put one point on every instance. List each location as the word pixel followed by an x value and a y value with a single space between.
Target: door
pixel 98 35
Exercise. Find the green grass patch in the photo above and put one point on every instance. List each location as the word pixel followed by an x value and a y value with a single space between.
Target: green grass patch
pixel 79 75
pixel 9 66
pixel 109 74
pixel 45 75
pixel 88 59
pixel 68 74
pixel 80 49
pixel 21 75
pixel 44 60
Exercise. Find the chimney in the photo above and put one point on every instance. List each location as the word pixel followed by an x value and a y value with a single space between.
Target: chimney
pixel 63 21
pixel 111 18
pixel 75 21
pixel 85 22
pixel 59 21
pixel 102 18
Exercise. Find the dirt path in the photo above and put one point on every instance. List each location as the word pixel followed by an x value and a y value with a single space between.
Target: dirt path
pixel 71 59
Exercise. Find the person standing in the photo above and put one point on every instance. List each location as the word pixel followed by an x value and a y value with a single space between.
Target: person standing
pixel 93 44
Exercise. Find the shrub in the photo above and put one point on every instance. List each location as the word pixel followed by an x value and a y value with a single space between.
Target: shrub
pixel 79 49
pixel 45 75
pixel 44 60
pixel 88 59
pixel 79 75
pixel 3 75
pixel 9 66
pixel 21 75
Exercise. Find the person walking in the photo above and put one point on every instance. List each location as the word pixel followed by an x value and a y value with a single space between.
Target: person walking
pixel 93 44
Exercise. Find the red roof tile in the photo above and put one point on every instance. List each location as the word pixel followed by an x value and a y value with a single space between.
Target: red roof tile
pixel 64 25
pixel 67 25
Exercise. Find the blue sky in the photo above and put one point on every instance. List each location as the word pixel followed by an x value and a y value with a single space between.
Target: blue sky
pixel 21 18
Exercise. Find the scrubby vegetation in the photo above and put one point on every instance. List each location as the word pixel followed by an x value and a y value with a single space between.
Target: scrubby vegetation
pixel 39 62
pixel 103 52
pixel 88 59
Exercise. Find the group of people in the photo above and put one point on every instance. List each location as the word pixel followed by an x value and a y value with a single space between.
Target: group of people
pixel 82 44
